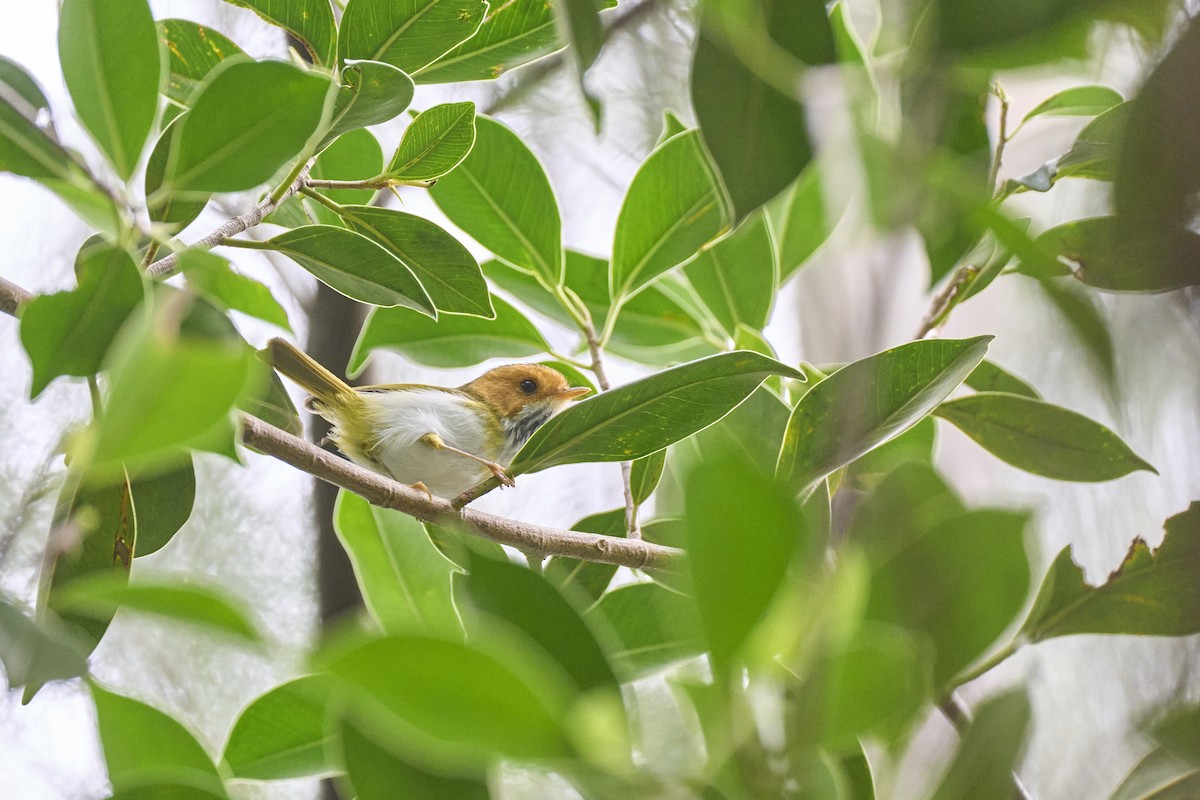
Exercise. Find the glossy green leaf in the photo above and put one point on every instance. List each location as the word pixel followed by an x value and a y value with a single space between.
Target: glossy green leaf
pixel 112 65
pixel 378 773
pixel 434 143
pixel 100 596
pixel 408 34
pixel 646 474
pixel 246 122
pixel 370 93
pixel 451 341
pixel 163 503
pixel 1042 438
pixel 736 277
pixel 961 582
pixel 655 626
pixel 1150 594
pixel 69 333
pixel 674 205
pixel 1109 259
pixel 126 726
pixel 1078 101
pixel 405 581
pixel 36 653
pixel 353 156
pixel 807 223
pixel 737 577
pixel 354 265
pixel 643 417
pixel 282 733
pixel 309 21
pixel 210 275
pixel 866 403
pixel 445 268
pixel 165 207
pixel 586 579
pixel 512 34
pixel 501 197
pixel 754 429
pixel 672 125
pixel 193 50
pixel 990 377
pixel 990 750
pixel 454 700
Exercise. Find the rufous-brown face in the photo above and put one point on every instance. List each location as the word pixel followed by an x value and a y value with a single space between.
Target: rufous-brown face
pixel 511 388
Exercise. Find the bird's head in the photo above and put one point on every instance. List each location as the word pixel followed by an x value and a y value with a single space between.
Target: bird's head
pixel 518 391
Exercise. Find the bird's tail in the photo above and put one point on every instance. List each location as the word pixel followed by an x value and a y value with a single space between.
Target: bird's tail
pixel 327 388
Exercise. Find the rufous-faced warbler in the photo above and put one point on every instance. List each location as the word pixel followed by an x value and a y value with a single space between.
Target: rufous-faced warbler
pixel 438 439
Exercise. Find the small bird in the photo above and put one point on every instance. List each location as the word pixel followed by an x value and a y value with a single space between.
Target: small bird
pixel 440 440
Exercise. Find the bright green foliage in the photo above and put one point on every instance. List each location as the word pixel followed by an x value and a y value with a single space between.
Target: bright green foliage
pixel 435 143
pixel 353 156
pixel 193 51
pixel 282 734
pixel 990 750
pixel 163 503
pixel 1078 101
pixel 646 474
pixel 586 581
pixel 655 627
pixel 409 34
pixel 378 773
pixel 179 212
pixel 35 653
pixel 736 277
pixel 806 223
pixel 511 34
pixel 212 276
pixel 989 377
pixel 1041 438
pixel 371 93
pixel 310 21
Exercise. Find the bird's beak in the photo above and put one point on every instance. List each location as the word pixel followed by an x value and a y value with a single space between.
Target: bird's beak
pixel 574 393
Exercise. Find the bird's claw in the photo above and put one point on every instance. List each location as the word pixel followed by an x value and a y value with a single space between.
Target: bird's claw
pixel 420 487
pixel 502 475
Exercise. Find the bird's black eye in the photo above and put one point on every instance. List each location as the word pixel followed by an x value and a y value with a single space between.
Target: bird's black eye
pixel 528 386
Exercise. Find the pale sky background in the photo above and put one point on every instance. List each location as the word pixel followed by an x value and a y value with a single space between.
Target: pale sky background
pixel 251 532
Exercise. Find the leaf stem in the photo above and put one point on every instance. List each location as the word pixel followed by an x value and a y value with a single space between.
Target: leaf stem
pixel 323 200
pixel 284 189
pixel 1001 137
pixel 986 665
pixel 378 182
pixel 246 244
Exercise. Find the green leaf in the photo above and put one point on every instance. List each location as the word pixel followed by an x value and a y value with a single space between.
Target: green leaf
pixel 989 377
pixel 1160 775
pixel 655 626
pixel 451 341
pixel 163 503
pixel 806 224
pixel 672 125
pixel 193 50
pixel 644 416
pixel 36 653
pixel 1041 438
pixel 112 65
pixel 281 734
pixel 646 474
pixel 409 34
pixel 866 403
pixel 378 773
pixel 128 726
pixel 737 577
pixel 445 268
pixel 310 21
pixel 405 581
pixel 961 582
pixel 14 76
pixel 736 277
pixel 370 93
pixel 353 156
pixel 579 27
pixel 167 791
pixel 1094 152
pixel 674 205
pixel 274 405
pixel 452 701
pixel 69 333
pixel 512 34
pixel 911 500
pixel 915 444
pixel 1116 261
pixel 247 121
pixel 1078 101
pixel 991 749
pixel 586 579
pixel 212 276
pixel 501 197
pixel 354 265
pixel 100 596
pixel 165 207
pixel 435 143
pixel 1148 595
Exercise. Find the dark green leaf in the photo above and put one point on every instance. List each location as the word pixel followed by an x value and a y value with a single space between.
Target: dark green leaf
pixel 36 653
pixel 163 504
pixel 1149 595
pixel 1094 153
pixel 989 377
pixel 127 727
pixel 247 120
pixel 655 626
pixel 646 474
pixel 407 35
pixel 69 333
pixel 1117 261
pixel 736 277
pixel 26 88
pixel 866 403
pixel 445 268
pixel 211 275
pixel 459 547
pixel 1041 438
pixel 512 34
pixel 353 156
pixel 371 93
pixel 193 50
pixel 642 417
pixel 100 596
pixel 807 223
pixel 405 581
pixel 960 581
pixel 674 205
pixel 1078 101
pixel 915 444
pixel 435 143
pixel 165 207
pixel 354 265
pixel 310 21
pixel 112 65
pixel 990 751
pixel 452 341
pixel 500 195
pixel 378 773
pixel 588 579
pixel 910 501
pixel 281 734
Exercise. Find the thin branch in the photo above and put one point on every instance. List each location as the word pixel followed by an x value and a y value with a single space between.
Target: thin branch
pixel 1002 137
pixel 382 182
pixel 945 300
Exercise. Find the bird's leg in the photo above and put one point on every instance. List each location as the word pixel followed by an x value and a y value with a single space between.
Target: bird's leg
pixel 435 441
pixel 420 487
